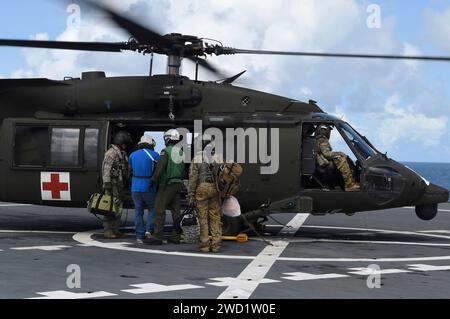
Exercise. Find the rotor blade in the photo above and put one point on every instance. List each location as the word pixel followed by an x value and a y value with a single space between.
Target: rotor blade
pixel 203 63
pixel 82 46
pixel 142 34
pixel 335 55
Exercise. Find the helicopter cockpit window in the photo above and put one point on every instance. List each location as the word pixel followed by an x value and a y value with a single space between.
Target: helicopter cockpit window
pixel 65 147
pixel 361 146
pixel 30 147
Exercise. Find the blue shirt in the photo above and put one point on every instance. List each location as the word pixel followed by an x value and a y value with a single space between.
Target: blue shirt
pixel 142 166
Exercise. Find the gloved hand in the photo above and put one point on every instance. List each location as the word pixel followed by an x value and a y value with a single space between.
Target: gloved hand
pixel 107 187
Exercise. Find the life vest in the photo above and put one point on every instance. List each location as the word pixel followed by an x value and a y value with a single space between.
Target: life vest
pixel 175 166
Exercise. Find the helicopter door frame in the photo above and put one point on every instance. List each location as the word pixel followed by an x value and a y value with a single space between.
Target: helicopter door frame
pixel 304 161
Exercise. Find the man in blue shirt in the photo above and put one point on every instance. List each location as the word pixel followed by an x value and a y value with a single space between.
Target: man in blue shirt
pixel 142 166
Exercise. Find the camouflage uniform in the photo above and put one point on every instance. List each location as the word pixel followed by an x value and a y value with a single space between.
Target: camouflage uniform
pixel 325 157
pixel 114 171
pixel 202 187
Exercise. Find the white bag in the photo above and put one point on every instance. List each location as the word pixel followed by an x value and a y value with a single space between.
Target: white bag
pixel 231 207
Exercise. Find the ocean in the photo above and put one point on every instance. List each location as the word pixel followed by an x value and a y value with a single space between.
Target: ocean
pixel 436 173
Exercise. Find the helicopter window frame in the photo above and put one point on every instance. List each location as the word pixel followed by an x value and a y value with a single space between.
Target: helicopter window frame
pixel 336 124
pixel 83 164
pixel 79 148
pixel 90 164
pixel 357 153
pixel 45 158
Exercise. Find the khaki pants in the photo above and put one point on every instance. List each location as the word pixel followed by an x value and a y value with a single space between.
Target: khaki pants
pixel 111 225
pixel 209 209
pixel 346 172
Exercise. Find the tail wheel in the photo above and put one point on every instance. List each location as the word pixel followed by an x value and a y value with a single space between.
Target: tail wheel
pixel 427 212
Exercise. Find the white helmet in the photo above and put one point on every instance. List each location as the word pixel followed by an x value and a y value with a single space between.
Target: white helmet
pixel 147 139
pixel 172 135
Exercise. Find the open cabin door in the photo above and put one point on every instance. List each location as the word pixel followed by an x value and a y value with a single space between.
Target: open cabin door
pixel 51 162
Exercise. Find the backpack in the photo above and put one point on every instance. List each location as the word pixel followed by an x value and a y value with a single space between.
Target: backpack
pixel 227 179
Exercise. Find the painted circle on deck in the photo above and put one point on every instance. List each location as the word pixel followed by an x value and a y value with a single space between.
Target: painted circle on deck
pixel 85 238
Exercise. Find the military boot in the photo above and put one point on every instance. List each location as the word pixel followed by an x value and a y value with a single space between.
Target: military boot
pixel 109 234
pixel 118 234
pixel 353 187
pixel 215 249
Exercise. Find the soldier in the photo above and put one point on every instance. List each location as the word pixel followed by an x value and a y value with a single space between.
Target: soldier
pixel 202 192
pixel 115 175
pixel 169 175
pixel 326 158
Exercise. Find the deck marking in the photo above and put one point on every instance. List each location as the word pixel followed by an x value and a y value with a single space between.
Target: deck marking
pixel 439 210
pixel 254 273
pixel 366 242
pixel 36 232
pixel 14 205
pixel 62 294
pixel 435 231
pixel 421 267
pixel 155 288
pixel 301 276
pixel 86 238
pixel 294 225
pixel 228 281
pixel 44 248
pixel 364 271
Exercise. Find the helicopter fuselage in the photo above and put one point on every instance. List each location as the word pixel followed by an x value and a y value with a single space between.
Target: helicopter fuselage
pixel 42 118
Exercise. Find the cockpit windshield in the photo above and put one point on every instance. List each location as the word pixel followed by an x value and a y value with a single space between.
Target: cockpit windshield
pixel 361 144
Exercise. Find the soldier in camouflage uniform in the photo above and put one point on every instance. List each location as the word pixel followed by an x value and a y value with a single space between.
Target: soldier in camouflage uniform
pixel 326 158
pixel 115 174
pixel 202 190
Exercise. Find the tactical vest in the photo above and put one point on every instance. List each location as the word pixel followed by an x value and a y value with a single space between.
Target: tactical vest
pixel 119 168
pixel 174 171
pixel 206 173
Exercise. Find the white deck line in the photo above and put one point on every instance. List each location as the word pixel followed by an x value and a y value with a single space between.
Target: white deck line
pixel 294 225
pixel 254 273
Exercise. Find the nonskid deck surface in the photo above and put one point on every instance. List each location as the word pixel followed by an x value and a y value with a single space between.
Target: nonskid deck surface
pixel 45 252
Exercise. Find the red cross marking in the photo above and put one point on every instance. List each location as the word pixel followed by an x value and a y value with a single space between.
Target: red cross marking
pixel 55 186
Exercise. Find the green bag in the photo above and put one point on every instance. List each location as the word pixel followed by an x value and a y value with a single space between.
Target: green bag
pixel 104 205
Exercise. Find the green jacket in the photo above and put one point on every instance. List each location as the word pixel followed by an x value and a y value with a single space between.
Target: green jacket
pixel 169 170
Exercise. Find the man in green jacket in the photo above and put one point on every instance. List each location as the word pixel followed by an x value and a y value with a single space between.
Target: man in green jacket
pixel 169 175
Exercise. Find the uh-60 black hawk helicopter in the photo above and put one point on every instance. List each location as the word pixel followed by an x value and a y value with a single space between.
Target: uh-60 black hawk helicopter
pixel 54 133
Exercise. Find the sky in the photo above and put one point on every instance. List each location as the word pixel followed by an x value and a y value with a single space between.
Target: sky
pixel 402 107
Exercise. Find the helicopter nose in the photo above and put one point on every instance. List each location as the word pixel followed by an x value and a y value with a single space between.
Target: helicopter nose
pixel 434 194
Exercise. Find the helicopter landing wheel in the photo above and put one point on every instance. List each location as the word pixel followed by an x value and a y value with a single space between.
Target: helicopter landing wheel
pixel 231 226
pixel 427 212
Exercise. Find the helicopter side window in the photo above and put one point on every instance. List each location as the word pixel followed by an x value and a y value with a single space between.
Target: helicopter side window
pixel 30 147
pixel 91 147
pixel 65 147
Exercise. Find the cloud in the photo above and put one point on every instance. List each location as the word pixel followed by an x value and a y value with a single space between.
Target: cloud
pixel 403 125
pixel 437 28
pixel 355 88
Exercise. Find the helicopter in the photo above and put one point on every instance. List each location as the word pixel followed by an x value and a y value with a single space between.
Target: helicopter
pixel 54 133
